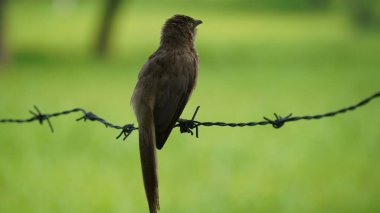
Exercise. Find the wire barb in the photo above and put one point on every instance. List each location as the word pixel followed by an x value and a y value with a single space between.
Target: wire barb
pixel 41 117
pixel 126 131
pixel 185 126
pixel 279 121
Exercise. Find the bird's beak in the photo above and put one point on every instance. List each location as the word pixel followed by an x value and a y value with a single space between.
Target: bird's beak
pixel 198 22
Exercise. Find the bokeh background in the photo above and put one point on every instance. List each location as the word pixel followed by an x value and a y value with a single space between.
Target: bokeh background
pixel 257 57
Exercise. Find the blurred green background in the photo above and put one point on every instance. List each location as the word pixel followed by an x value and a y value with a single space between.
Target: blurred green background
pixel 257 57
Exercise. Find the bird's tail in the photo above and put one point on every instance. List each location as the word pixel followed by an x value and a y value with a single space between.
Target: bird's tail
pixel 148 160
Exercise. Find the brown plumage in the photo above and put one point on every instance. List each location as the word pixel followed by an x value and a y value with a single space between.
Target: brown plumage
pixel 164 86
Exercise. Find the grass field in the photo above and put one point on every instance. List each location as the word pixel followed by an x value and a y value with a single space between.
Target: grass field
pixel 252 64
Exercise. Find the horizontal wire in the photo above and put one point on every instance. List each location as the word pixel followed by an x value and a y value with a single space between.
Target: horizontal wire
pixel 185 126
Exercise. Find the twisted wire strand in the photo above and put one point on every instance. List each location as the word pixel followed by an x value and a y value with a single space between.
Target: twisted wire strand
pixel 185 126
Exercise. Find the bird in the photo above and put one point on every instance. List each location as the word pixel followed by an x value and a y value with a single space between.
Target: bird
pixel 164 86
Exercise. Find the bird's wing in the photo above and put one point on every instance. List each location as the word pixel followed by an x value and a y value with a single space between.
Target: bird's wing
pixel 176 84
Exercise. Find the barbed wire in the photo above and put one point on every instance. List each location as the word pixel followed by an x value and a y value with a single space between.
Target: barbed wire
pixel 185 126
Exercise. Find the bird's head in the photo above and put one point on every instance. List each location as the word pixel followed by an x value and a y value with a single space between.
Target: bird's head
pixel 179 30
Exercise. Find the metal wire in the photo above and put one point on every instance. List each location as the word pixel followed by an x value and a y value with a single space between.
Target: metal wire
pixel 185 126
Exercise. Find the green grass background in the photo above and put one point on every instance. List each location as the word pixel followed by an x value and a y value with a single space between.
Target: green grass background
pixel 252 64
